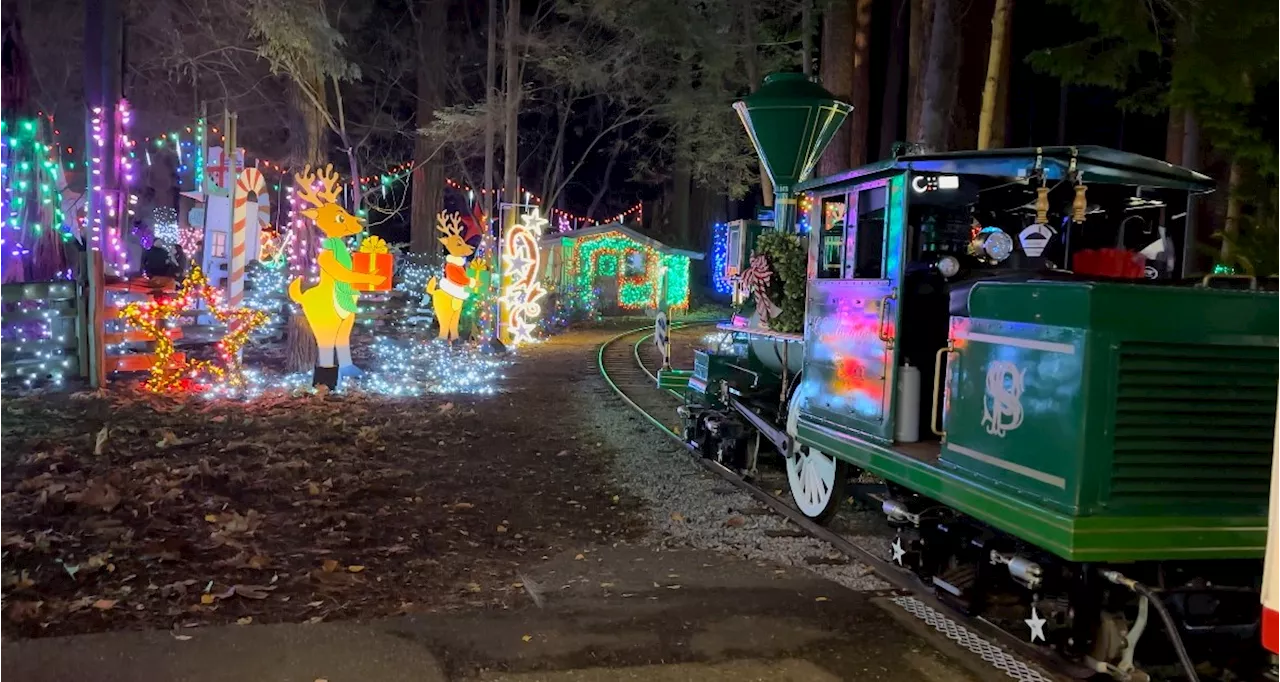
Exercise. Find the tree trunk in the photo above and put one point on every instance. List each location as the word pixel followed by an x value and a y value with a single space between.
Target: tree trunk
pixel 1174 136
pixel 752 62
pixel 861 114
pixel 604 179
pixel 490 122
pixel 681 190
pixel 353 164
pixel 1064 98
pixel 308 149
pixel 995 66
pixel 1231 226
pixel 806 37
pixel 682 173
pixel 835 67
pixel 1000 125
pixel 551 176
pixel 1200 209
pixel 940 84
pixel 428 166
pixel 921 26
pixel 891 111
pixel 511 181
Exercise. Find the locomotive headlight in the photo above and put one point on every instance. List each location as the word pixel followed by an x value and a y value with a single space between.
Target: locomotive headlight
pixel 948 266
pixel 995 243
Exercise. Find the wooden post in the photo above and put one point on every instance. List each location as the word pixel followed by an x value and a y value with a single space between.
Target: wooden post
pixel 233 175
pixel 97 322
pixel 82 316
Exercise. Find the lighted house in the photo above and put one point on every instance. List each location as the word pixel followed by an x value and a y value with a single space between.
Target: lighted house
pixel 622 268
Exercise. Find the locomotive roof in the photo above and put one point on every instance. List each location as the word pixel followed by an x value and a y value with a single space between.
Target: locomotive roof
pixel 1097 164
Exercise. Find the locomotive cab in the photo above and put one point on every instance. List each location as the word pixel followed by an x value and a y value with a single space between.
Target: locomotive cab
pixel 898 249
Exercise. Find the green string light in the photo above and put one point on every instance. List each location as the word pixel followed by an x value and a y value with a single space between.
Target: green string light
pixel 599 256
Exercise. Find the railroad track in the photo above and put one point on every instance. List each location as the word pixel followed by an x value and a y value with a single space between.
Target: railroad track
pixel 625 361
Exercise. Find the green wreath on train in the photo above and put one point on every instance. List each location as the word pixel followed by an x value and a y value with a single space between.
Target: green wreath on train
pixel 785 262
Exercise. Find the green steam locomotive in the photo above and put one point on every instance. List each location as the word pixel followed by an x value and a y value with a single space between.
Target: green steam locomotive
pixel 1075 441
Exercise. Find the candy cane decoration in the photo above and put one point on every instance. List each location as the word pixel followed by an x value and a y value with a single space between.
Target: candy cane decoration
pixel 251 180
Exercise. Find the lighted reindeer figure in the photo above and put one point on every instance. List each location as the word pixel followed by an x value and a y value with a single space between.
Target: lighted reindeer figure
pixel 454 289
pixel 330 306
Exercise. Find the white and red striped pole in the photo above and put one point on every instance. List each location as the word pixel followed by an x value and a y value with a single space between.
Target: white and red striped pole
pixel 250 180
pixel 1271 561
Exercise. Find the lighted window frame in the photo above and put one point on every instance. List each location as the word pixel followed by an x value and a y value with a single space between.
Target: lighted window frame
pixel 831 238
pixel 219 245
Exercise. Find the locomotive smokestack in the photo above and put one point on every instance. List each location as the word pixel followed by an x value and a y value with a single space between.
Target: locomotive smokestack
pixel 790 119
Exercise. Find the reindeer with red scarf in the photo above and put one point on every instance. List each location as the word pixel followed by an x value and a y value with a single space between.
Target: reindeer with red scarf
pixel 461 239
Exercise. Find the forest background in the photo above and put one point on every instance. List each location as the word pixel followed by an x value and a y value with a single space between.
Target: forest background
pixel 597 105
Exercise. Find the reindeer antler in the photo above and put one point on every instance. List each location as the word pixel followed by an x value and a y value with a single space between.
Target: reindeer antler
pixel 307 180
pixel 449 223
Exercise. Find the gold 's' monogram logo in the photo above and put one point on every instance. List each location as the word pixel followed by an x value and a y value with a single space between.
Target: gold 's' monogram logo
pixel 1002 405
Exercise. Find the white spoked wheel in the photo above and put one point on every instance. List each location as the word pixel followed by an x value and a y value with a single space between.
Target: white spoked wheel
pixel 817 482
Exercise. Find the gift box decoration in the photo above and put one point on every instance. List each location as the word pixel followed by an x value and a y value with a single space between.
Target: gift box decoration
pixel 373 258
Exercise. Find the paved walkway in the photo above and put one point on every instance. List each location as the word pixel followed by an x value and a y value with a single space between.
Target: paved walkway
pixel 624 613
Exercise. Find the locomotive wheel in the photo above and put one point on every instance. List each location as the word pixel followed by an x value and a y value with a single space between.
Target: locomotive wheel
pixel 817 482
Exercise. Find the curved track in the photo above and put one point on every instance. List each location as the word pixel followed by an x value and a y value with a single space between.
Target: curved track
pixel 625 362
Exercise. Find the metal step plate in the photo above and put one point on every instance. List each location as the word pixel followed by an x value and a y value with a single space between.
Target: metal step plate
pixel 991 653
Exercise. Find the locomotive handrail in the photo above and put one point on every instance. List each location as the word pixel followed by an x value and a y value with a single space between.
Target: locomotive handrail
pixel 937 374
pixel 1253 281
pixel 884 313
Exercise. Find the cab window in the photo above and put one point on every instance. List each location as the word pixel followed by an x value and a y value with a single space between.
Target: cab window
pixel 866 236
pixel 831 247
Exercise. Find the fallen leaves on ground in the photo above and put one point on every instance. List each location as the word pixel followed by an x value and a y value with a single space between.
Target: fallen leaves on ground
pixel 184 511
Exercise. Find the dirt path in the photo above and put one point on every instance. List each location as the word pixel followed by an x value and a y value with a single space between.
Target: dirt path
pixel 296 509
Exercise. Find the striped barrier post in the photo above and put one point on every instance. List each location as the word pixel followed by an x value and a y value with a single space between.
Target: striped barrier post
pixel 661 337
pixel 1271 561
pixel 250 180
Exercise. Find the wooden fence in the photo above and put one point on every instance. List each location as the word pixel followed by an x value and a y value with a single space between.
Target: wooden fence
pixel 53 330
pixel 45 335
pixel 126 349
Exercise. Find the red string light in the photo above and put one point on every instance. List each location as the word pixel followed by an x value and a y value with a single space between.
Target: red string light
pixel 397 169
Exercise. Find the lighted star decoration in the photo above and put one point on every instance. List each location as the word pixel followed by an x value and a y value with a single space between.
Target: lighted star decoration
pixel 1036 623
pixel 174 371
pixel 898 551
pixel 521 291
